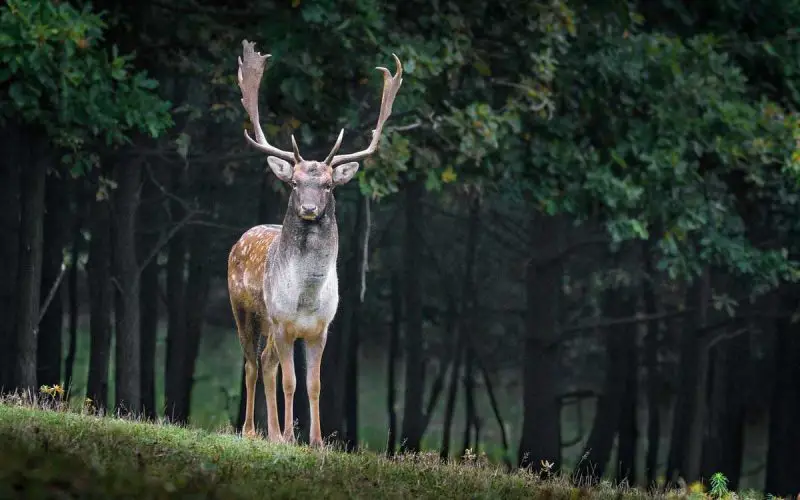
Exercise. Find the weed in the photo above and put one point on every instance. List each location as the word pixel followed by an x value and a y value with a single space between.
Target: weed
pixel 719 486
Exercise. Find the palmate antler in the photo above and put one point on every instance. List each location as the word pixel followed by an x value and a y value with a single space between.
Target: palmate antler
pixel 251 69
pixel 391 84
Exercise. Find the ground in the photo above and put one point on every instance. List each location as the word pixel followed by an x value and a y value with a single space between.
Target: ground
pixel 60 454
pixel 216 397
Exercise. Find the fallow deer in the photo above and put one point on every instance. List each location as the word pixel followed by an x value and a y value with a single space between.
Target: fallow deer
pixel 282 279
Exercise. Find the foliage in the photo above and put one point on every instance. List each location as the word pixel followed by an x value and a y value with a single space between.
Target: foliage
pixel 465 96
pixel 719 485
pixel 659 135
pixel 60 77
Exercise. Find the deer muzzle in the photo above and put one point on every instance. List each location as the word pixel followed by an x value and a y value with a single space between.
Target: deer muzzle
pixel 309 212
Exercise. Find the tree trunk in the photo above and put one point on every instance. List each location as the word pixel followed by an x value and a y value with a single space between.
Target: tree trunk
pixel 724 446
pixel 128 340
pixel 330 401
pixel 29 274
pixel 541 425
pixel 72 286
pixel 498 417
pixel 653 377
pixel 176 314
pixel 100 295
pixel 198 286
pixel 470 415
pixel 351 382
pixel 197 289
pixel 620 349
pixel 450 402
pixel 336 361
pixel 467 323
pixel 49 348
pixel 628 431
pixel 688 418
pixel 391 368
pixel 354 289
pixel 10 186
pixel 413 417
pixel 148 298
pixel 783 466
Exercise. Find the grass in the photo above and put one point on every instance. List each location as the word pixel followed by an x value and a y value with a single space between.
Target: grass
pixel 62 454
pixel 216 396
pixel 215 393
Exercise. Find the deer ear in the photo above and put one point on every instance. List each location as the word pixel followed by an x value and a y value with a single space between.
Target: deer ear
pixel 343 173
pixel 281 168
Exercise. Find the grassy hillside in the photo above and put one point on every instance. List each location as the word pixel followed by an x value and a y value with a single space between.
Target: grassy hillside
pixel 58 454
pixel 216 393
pixel 216 396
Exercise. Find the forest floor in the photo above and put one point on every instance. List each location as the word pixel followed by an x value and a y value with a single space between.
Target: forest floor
pixel 46 453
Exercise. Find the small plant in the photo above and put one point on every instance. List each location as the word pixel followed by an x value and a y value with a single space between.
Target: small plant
pixel 719 486
pixel 54 391
pixel 547 468
pixel 88 406
pixel 696 490
pixel 52 397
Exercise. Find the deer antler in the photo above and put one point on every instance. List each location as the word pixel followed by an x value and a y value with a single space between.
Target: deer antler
pixel 251 69
pixel 391 84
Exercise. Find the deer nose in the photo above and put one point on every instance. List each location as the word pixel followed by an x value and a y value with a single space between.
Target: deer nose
pixel 308 209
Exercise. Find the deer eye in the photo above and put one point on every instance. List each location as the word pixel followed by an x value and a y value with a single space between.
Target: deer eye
pixel 294 184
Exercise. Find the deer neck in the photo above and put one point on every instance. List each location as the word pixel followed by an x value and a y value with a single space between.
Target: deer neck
pixel 308 249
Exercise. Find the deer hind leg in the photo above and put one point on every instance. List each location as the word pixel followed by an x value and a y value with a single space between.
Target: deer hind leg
pixel 314 348
pixel 269 371
pixel 247 338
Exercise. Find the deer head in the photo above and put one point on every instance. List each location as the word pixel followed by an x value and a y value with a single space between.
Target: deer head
pixel 312 181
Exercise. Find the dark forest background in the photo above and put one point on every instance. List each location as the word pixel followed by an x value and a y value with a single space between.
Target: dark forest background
pixel 577 245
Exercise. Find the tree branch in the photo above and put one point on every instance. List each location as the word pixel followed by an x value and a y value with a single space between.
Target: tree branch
pixel 639 318
pixel 51 294
pixel 165 239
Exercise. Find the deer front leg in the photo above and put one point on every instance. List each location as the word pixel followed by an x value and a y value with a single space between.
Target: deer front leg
pixel 269 371
pixel 314 348
pixel 285 347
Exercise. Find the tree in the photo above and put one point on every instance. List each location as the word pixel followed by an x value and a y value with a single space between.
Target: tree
pixel 67 92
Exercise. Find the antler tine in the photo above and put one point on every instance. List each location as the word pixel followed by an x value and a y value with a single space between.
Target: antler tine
pixel 297 157
pixel 391 84
pixel 335 147
pixel 251 69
